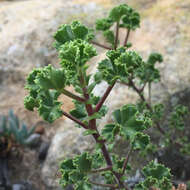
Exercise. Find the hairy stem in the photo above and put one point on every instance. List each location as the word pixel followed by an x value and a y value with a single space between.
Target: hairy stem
pixel 102 100
pixel 116 35
pixel 73 96
pixel 101 45
pixel 126 38
pixel 127 160
pixel 149 93
pixel 92 125
pixel 75 120
pixel 102 169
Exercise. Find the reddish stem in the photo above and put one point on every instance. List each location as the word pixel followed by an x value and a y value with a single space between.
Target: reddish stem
pixel 102 100
pixel 101 45
pixel 116 35
pixel 75 120
pixel 126 38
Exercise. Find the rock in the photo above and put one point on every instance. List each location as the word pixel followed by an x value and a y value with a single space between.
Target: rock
pixel 68 141
pixel 24 185
pixel 26 42
pixel 43 150
pixel 33 140
pixel 4 173
pixel 134 180
pixel 18 187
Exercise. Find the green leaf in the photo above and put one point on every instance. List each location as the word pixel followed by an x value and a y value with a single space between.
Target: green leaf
pixel 51 78
pixel 103 24
pixel 67 164
pixel 110 38
pixel 110 131
pixel 141 141
pixel 129 121
pixel 74 54
pixel 83 162
pixel 89 132
pixel 156 175
pixel 75 30
pixel 156 170
pixel 30 103
pixel 149 73
pixel 117 12
pixel 50 108
pixel 79 112
pixel 120 65
pixel 38 83
pixel 131 20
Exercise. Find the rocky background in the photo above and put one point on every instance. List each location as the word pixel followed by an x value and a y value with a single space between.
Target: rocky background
pixel 26 28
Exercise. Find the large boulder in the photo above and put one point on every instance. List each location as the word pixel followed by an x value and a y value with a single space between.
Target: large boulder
pixel 26 29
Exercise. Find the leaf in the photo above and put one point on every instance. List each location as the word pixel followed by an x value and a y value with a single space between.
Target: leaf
pixel 156 170
pixel 50 108
pixel 89 132
pixel 120 65
pixel 110 131
pixel 67 164
pixel 70 32
pixel 129 122
pixel 83 162
pixel 131 20
pixel 51 78
pixel 141 141
pixel 117 12
pixel 156 175
pixel 110 38
pixel 79 112
pixel 75 53
pixel 103 24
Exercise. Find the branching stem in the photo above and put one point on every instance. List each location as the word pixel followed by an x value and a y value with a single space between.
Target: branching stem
pixel 75 120
pixel 73 96
pixel 116 35
pixel 102 100
pixel 101 45
pixel 127 159
pixel 102 169
pixel 126 38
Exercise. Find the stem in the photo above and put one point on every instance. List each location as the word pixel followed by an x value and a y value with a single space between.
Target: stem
pixel 71 95
pixel 102 169
pixel 104 185
pixel 149 93
pixel 104 150
pixel 116 35
pixel 75 120
pixel 102 100
pixel 101 45
pixel 92 125
pixel 127 160
pixel 126 38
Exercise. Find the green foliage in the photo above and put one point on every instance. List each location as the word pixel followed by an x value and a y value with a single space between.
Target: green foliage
pixel 70 32
pixel 13 130
pixel 43 85
pixel 124 15
pixel 177 117
pixel 131 122
pixel 157 176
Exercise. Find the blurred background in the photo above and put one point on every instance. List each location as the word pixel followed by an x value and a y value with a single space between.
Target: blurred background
pixel 26 29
